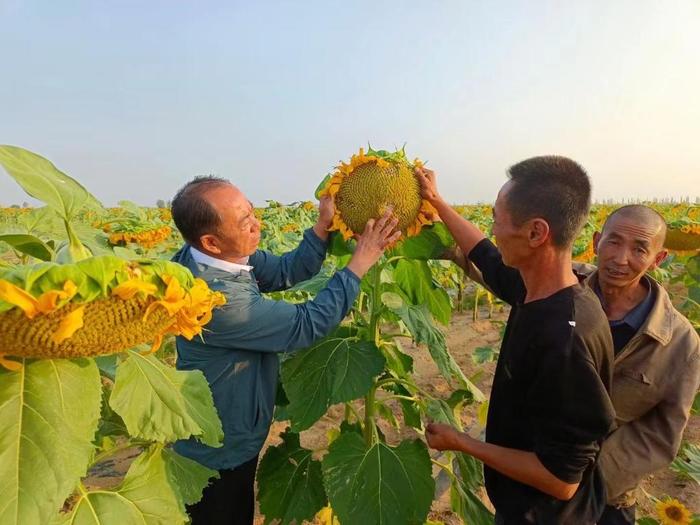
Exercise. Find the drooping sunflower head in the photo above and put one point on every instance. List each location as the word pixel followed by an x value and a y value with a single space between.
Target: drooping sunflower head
pixel 98 306
pixel 683 236
pixel 672 512
pixel 364 188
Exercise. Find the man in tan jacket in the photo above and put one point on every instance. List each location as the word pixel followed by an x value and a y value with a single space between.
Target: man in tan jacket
pixel 657 355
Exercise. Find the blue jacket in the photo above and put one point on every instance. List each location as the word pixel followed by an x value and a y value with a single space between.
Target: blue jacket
pixel 238 353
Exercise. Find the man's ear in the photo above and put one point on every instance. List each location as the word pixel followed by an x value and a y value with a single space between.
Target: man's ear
pixel 659 258
pixel 538 232
pixel 596 240
pixel 210 243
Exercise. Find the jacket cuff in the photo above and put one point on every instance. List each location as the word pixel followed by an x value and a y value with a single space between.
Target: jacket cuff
pixel 318 245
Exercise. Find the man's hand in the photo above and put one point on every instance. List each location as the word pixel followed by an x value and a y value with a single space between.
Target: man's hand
pixel 443 437
pixel 428 184
pixel 378 235
pixel 326 210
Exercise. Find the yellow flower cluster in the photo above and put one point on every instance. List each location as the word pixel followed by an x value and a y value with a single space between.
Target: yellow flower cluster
pixel 147 238
pixel 290 228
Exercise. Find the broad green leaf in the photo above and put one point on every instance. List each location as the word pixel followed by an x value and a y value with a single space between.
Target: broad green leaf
pixel 147 496
pixel 162 404
pixel 187 477
pixel 334 370
pixel 484 354
pixel 102 270
pixel 290 485
pixel 380 485
pixel 340 247
pixel 40 220
pixel 48 416
pixel 469 507
pixel 43 181
pixel 416 281
pixel 419 322
pixel 431 243
pixel 29 245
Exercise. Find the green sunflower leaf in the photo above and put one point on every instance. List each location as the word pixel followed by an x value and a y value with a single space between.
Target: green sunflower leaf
pixel 379 485
pixel 416 281
pixel 290 485
pixel 49 411
pixel 43 181
pixel 336 369
pixel 28 245
pixel 419 322
pixel 159 403
pixel 151 494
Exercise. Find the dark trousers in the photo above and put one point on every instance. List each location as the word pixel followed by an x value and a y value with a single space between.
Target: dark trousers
pixel 229 500
pixel 615 516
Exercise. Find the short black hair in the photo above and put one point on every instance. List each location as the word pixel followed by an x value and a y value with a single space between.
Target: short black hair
pixel 553 188
pixel 194 216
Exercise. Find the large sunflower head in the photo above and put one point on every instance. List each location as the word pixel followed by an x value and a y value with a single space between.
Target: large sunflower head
pixel 683 236
pixel 672 512
pixel 98 306
pixel 371 182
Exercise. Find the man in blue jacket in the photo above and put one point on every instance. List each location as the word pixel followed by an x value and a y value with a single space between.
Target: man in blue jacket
pixel 238 355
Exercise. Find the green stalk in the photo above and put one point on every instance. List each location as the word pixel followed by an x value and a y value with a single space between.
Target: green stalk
pixel 74 251
pixel 370 425
pixel 375 309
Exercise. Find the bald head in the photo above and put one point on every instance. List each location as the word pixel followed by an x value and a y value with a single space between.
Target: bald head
pixel 643 216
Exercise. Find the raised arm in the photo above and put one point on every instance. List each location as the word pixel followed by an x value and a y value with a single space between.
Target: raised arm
pixel 466 233
pixel 281 272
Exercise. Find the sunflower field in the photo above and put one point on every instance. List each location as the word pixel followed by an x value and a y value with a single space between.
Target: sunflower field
pixel 90 305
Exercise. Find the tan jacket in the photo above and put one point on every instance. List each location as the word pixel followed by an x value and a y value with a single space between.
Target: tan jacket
pixel 655 379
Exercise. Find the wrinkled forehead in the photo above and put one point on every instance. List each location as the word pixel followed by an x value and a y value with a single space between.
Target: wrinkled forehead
pixel 634 228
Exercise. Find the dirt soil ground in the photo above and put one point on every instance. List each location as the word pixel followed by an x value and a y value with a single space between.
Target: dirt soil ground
pixel 463 336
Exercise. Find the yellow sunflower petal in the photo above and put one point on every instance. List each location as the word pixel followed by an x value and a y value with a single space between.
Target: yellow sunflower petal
pixel 12 366
pixel 20 298
pixel 70 324
pixel 48 301
pixel 130 288
pixel 156 344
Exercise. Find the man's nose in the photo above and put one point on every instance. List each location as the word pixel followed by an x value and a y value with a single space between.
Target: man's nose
pixel 621 256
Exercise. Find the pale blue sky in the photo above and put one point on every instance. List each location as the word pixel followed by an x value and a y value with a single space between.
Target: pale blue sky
pixel 133 98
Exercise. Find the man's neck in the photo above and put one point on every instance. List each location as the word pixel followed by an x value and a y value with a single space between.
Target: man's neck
pixel 618 301
pixel 228 258
pixel 546 273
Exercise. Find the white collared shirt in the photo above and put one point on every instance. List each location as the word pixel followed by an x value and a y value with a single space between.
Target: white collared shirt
pixel 227 266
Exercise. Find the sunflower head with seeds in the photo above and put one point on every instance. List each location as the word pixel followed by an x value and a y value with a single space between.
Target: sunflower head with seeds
pixel 370 183
pixel 673 512
pixel 98 306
